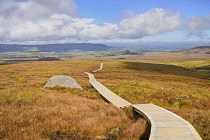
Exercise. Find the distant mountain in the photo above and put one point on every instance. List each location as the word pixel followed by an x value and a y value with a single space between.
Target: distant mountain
pixel 194 50
pixel 59 48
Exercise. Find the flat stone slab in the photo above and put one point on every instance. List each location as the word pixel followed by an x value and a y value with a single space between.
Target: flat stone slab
pixel 63 81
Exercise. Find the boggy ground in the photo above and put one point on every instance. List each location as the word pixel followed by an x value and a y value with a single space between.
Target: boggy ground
pixel 28 111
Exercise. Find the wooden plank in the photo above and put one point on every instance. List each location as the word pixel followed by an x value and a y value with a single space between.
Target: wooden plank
pixel 101 67
pixel 107 94
pixel 165 124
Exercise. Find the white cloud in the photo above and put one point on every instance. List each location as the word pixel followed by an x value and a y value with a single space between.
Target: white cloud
pixel 55 27
pixel 37 19
pixel 197 25
pixel 53 20
pixel 36 9
pixel 103 31
pixel 152 22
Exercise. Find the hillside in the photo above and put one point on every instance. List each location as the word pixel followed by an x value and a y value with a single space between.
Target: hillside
pixel 58 48
pixel 28 111
pixel 194 50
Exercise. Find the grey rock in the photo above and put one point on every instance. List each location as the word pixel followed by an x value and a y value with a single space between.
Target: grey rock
pixel 101 137
pixel 62 80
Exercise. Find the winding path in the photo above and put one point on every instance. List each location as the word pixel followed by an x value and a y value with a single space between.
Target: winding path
pixel 101 67
pixel 107 94
pixel 165 125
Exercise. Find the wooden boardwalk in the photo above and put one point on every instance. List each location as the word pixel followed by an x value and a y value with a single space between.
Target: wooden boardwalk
pixel 165 125
pixel 107 94
pixel 101 67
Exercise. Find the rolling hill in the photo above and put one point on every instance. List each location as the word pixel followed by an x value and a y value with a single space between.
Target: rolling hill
pixel 194 50
pixel 58 48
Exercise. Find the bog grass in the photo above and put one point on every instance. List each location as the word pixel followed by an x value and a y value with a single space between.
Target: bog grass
pixel 28 111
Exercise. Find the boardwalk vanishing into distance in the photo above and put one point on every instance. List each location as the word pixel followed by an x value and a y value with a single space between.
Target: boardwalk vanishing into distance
pixel 101 67
pixel 165 125
pixel 107 94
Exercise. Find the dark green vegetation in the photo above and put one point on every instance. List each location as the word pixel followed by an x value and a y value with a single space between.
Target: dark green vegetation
pixel 199 66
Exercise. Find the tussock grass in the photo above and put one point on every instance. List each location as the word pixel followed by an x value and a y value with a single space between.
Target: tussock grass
pixel 132 131
pixel 37 115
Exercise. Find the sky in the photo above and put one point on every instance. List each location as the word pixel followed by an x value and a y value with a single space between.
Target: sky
pixel 104 21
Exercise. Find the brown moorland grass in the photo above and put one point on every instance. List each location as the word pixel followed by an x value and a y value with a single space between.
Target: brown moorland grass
pixel 37 115
pixel 31 112
pixel 128 134
pixel 28 111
